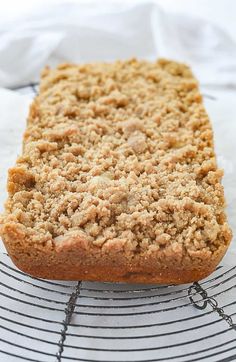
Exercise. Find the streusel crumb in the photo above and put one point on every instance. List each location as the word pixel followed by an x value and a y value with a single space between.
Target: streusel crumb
pixel 121 154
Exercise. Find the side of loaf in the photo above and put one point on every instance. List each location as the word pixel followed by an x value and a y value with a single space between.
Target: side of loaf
pixel 118 179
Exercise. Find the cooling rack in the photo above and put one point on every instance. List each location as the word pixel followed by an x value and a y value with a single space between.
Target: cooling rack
pixel 52 321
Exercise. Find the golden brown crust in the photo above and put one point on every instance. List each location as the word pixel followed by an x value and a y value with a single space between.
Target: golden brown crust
pixel 118 179
pixel 78 260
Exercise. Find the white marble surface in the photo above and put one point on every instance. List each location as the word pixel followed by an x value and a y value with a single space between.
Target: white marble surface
pixel 14 107
pixel 13 111
pixel 222 114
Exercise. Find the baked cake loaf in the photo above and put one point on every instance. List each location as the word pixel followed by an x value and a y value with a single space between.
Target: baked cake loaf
pixel 118 179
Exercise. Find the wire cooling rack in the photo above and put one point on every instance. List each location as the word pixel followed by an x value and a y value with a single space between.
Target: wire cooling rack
pixel 47 321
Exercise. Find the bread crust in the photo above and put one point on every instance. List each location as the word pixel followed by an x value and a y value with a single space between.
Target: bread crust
pixel 79 260
pixel 99 195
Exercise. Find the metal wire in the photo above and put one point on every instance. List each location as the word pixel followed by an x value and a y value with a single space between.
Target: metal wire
pixel 69 310
pixel 63 339
pixel 209 301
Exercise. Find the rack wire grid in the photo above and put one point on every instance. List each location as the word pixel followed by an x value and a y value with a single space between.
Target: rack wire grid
pixel 44 321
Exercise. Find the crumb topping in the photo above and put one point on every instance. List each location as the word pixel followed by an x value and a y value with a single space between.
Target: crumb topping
pixel 120 154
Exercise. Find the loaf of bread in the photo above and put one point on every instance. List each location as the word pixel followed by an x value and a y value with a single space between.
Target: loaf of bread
pixel 118 179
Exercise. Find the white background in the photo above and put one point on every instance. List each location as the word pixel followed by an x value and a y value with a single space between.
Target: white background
pixel 221 111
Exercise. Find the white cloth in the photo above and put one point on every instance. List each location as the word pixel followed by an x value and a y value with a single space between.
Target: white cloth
pixel 81 33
